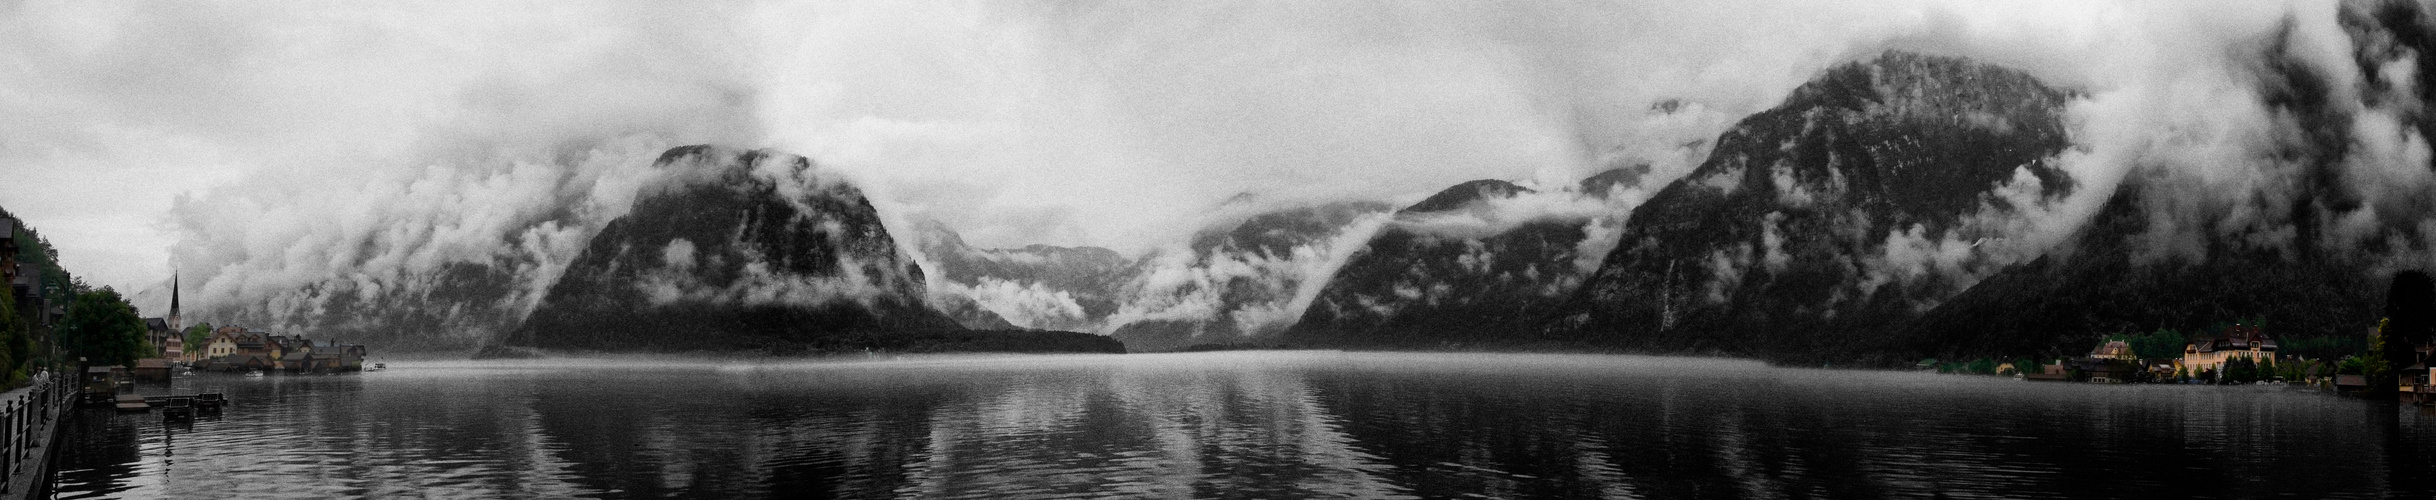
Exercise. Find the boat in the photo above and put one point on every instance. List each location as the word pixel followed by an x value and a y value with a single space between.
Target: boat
pixel 179 408
pixel 101 385
pixel 255 373
pixel 210 401
pixel 377 367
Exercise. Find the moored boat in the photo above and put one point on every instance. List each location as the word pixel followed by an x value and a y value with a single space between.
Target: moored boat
pixel 210 401
pixel 179 407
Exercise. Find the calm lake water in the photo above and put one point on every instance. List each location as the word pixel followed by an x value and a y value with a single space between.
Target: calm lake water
pixel 1240 424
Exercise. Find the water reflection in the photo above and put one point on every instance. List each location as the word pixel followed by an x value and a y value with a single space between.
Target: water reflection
pixel 1247 425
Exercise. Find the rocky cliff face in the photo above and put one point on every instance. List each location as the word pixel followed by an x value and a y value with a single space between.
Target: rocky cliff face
pixel 736 250
pixel 1858 203
pixel 1478 264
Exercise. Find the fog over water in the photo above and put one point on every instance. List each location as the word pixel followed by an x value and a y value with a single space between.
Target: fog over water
pixel 1259 424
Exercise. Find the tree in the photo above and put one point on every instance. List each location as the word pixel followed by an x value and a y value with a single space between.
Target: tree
pixel 16 336
pixel 2161 344
pixel 197 335
pixel 1982 366
pixel 2241 370
pixel 2373 366
pixel 102 328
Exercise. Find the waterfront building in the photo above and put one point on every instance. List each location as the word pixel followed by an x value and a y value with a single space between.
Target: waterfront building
pixel 293 361
pixel 2114 350
pixel 222 343
pixel 2237 341
pixel 152 369
pixel 8 251
pixel 238 363
pixel 2112 362
pixel 156 334
pixel 239 349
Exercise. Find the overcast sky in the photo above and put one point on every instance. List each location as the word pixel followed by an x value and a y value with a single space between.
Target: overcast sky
pixel 231 136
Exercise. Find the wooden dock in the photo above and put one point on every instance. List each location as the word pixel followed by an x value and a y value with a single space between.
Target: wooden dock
pixel 131 403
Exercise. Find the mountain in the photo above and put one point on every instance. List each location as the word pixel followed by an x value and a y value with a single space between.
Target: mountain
pixel 1473 264
pixel 749 250
pixel 1856 204
pixel 1242 279
pixel 1243 282
pixel 2099 283
pixel 1041 286
pixel 2307 245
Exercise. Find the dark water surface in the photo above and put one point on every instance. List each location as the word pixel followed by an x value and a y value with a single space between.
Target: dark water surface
pixel 1241 424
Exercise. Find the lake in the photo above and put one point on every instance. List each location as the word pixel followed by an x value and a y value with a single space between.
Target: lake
pixel 1292 424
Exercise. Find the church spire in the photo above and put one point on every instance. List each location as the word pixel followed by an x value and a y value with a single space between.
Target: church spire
pixel 173 301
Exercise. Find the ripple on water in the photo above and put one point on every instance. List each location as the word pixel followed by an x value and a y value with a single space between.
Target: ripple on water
pixel 1244 424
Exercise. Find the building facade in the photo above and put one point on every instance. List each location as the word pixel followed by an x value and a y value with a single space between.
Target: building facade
pixel 2236 342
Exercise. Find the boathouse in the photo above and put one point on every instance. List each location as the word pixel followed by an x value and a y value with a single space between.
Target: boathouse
pixel 152 369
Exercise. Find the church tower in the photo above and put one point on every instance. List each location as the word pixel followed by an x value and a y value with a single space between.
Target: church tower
pixel 176 327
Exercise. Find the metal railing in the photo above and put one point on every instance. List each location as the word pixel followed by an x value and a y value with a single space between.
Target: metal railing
pixel 26 418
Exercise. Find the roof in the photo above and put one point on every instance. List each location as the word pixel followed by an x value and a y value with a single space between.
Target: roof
pixel 2112 349
pixel 295 356
pixel 157 324
pixel 2237 338
pixel 152 363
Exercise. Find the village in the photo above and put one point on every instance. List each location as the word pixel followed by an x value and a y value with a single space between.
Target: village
pixel 154 349
pixel 236 349
pixel 2241 353
pixel 230 349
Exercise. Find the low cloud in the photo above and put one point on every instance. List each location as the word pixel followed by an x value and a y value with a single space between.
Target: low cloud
pixel 283 157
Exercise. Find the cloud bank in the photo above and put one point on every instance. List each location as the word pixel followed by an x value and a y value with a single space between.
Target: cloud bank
pixel 284 155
